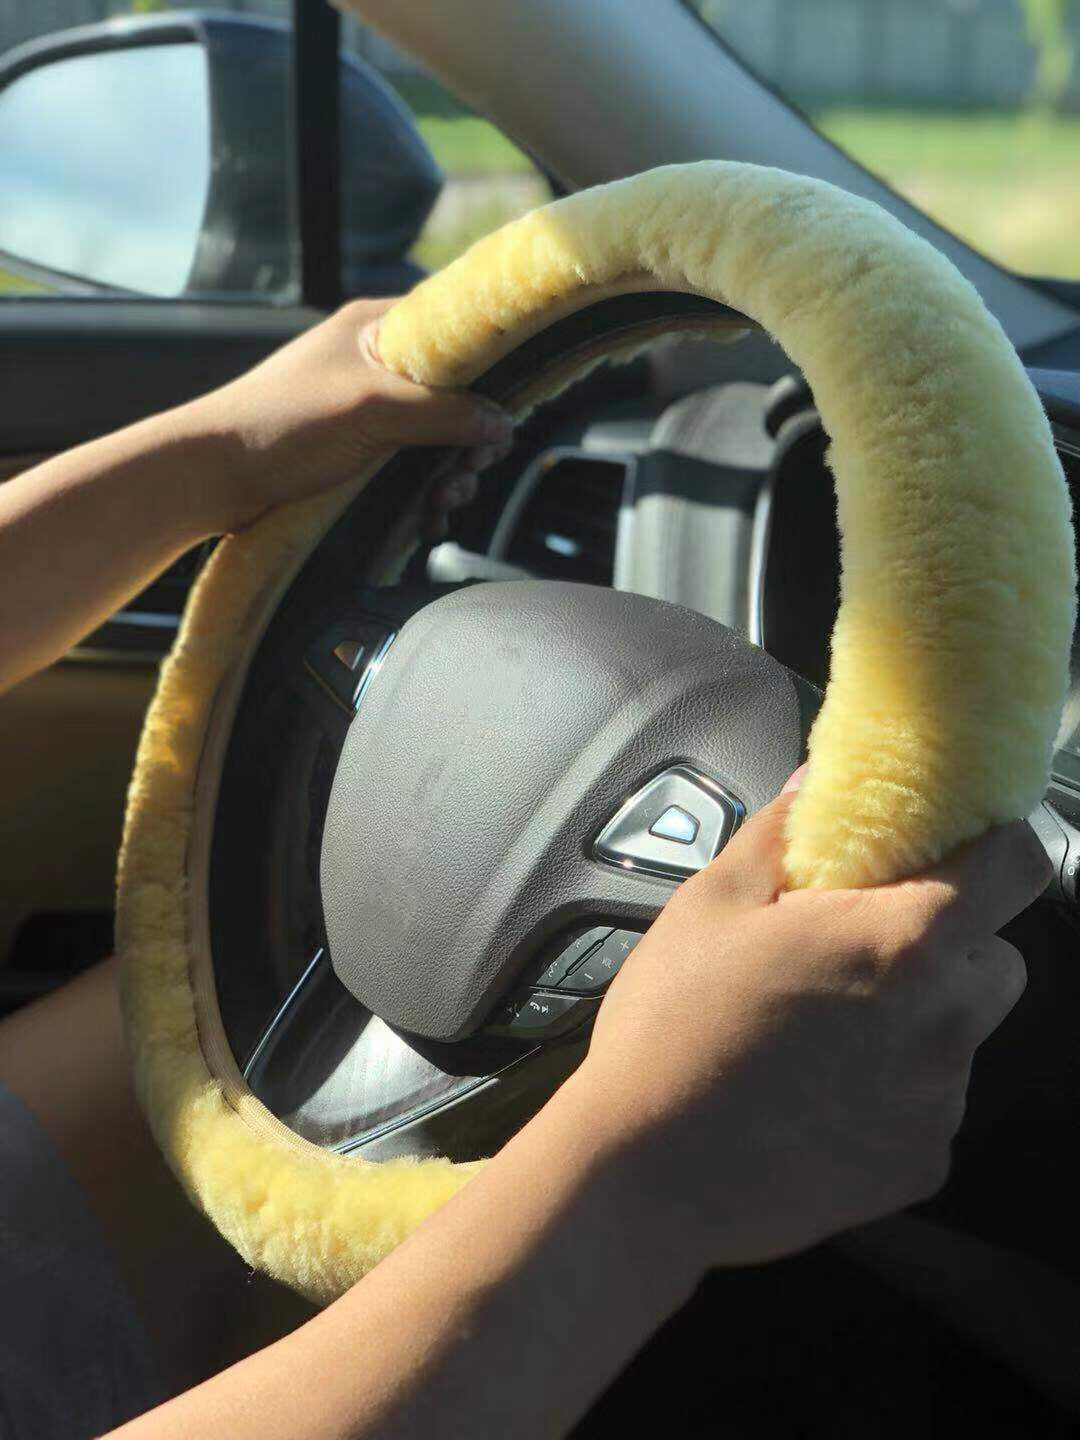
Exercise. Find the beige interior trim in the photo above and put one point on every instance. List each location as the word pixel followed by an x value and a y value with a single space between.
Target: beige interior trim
pixel 70 737
pixel 12 465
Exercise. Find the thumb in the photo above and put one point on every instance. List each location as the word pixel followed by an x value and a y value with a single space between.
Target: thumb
pixel 404 413
pixel 750 868
pixel 420 415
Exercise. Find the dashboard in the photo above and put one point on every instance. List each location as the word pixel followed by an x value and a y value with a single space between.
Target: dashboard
pixel 719 499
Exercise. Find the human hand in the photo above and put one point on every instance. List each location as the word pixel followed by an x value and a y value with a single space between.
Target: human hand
pixel 319 410
pixel 783 1066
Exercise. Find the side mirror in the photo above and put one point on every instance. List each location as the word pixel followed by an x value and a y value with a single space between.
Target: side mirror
pixel 153 157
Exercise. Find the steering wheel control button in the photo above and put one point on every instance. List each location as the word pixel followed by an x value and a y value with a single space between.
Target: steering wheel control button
pixel 676 824
pixel 672 827
pixel 567 958
pixel 601 965
pixel 541 1015
pixel 346 663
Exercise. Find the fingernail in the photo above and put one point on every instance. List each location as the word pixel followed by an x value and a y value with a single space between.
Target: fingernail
pixel 796 779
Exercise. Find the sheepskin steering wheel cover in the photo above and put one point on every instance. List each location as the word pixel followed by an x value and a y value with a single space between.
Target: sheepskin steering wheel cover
pixel 949 660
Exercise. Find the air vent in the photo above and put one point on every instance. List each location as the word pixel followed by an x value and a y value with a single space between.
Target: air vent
pixel 561 521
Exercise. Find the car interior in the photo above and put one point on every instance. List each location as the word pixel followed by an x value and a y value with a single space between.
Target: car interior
pixel 693 471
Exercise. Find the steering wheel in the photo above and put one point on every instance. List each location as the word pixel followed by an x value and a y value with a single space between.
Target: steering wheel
pixel 387 843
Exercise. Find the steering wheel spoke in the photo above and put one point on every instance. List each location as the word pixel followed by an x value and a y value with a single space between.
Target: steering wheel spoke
pixel 340 1077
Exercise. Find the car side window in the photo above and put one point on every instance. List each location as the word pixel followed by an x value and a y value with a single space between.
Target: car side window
pixel 154 157
pixel 144 150
pixel 480 179
pixel 968 108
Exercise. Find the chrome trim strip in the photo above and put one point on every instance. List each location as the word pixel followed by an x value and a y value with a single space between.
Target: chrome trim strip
pixel 150 619
pixel 421 1112
pixel 371 669
pixel 309 970
pixel 760 531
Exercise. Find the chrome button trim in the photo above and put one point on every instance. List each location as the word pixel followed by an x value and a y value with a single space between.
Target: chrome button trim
pixel 646 833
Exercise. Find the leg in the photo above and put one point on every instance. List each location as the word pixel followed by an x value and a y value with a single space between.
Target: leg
pixel 64 1057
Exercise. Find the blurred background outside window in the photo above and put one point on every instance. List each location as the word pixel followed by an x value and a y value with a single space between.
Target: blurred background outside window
pixel 969 108
pixel 486 180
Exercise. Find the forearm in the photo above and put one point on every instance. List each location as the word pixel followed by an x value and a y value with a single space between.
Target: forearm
pixel 507 1312
pixel 82 533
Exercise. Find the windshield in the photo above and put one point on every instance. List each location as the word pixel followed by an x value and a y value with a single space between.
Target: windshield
pixel 968 108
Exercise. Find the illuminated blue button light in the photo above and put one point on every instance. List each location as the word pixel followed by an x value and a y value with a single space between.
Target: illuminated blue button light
pixel 675 824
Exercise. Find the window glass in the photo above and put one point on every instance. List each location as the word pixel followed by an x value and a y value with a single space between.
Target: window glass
pixel 158 167
pixel 969 108
pixel 484 180
pixel 107 209
pixel 159 170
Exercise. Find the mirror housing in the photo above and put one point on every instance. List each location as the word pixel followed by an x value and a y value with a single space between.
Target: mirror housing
pixel 247 245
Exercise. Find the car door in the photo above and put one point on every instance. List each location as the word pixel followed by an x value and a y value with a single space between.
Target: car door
pixel 82 354
pixel 181 192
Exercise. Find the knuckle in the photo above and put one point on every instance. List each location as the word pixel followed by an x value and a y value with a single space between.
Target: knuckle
pixel 907 939
pixel 949 1107
pixel 849 906
pixel 354 312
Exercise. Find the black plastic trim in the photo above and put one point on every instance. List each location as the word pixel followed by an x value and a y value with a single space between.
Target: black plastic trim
pixel 73 369
pixel 316 106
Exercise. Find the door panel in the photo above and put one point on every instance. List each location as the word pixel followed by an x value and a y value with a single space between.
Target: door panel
pixel 74 369
pixel 68 737
pixel 70 371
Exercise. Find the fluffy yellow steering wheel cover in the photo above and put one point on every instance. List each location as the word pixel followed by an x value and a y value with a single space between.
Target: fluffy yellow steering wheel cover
pixel 949 659
pixel 950 651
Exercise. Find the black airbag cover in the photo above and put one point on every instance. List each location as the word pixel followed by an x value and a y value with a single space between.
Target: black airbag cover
pixel 506 726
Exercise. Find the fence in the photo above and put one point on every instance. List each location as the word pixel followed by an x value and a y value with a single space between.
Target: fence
pixel 953 54
pixel 950 54
pixel 21 20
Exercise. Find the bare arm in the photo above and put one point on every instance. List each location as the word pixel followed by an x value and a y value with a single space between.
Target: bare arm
pixel 82 533
pixel 766 1070
pixel 503 1315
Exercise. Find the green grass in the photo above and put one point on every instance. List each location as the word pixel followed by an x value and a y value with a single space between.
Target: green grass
pixel 470 146
pixel 490 180
pixel 463 143
pixel 445 237
pixel 18 285
pixel 1007 184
